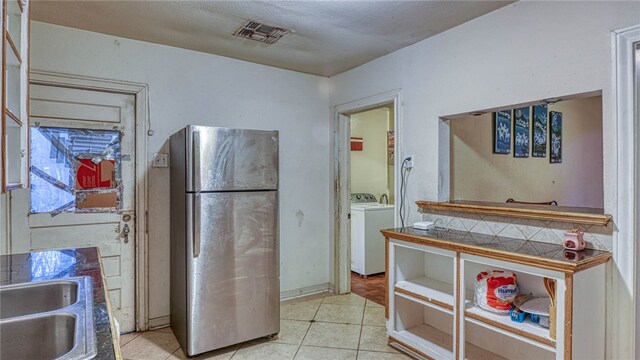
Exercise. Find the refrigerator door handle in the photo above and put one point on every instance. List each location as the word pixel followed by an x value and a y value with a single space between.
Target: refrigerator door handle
pixel 196 160
pixel 196 225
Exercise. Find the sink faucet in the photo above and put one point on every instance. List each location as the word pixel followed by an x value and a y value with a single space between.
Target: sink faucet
pixel 386 199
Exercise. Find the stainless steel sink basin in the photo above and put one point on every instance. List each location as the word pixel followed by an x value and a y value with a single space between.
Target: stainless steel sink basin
pixel 48 320
pixel 33 298
pixel 53 334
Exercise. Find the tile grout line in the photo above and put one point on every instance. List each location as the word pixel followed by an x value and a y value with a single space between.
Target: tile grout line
pixel 308 328
pixel 236 351
pixel 138 334
pixel 173 353
pixel 361 325
pixel 302 341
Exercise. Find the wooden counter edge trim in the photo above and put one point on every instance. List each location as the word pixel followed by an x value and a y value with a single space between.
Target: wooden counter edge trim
pixel 423 298
pixel 386 278
pixel 457 317
pixel 510 329
pixel 561 216
pixel 568 316
pixel 502 255
pixel 598 260
pixel 114 334
pixel 392 339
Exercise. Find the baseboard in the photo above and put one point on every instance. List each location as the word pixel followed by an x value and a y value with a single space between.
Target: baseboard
pixel 159 322
pixel 305 291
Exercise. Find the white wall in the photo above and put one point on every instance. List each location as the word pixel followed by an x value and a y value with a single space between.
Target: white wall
pixel 188 87
pixel 369 169
pixel 517 54
pixel 479 174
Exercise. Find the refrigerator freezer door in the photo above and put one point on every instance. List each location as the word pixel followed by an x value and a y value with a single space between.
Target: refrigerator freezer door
pixel 221 159
pixel 233 287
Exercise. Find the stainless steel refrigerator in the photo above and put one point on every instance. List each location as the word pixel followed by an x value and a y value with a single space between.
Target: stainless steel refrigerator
pixel 225 281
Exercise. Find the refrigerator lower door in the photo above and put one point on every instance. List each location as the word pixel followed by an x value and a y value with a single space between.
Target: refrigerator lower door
pixel 233 285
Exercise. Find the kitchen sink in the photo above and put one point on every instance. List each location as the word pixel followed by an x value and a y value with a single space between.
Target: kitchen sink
pixel 53 334
pixel 48 320
pixel 33 298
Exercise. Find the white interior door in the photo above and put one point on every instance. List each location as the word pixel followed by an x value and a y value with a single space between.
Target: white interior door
pixel 64 123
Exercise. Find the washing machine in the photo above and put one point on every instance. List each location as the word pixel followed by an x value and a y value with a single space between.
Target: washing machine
pixel 368 217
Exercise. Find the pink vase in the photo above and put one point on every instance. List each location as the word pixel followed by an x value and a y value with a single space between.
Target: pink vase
pixel 574 240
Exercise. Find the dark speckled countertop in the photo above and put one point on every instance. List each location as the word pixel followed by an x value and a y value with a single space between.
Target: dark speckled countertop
pixel 547 255
pixel 61 264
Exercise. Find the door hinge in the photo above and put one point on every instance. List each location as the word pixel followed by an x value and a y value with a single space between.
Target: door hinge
pixel 146 221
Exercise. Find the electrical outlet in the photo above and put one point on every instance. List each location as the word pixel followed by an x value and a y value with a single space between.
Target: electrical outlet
pixel 160 160
pixel 409 163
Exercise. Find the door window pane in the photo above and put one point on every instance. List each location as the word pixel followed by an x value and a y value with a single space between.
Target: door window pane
pixel 57 154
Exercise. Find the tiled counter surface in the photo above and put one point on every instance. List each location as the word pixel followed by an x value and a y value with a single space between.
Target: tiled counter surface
pixel 547 255
pixel 61 264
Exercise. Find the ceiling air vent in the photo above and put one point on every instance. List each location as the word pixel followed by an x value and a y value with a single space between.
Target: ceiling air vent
pixel 259 32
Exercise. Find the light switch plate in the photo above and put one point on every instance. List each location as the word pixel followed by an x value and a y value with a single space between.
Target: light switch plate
pixel 160 160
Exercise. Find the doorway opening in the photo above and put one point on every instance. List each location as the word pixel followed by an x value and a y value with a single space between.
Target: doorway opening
pixel 371 170
pixel 366 173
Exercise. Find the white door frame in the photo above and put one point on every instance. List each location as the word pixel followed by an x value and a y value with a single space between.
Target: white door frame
pixel 142 124
pixel 341 188
pixel 625 287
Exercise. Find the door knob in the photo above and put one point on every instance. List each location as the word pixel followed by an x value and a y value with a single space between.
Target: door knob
pixel 125 233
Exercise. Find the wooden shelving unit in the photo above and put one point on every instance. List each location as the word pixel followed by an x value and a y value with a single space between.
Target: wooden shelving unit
pixel 14 129
pixel 431 313
pixel 575 215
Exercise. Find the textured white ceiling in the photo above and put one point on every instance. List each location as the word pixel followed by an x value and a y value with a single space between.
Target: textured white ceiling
pixel 328 37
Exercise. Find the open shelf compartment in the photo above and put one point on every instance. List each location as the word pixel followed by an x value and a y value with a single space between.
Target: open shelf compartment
pixel 13 153
pixel 425 275
pixel 527 331
pixel 13 86
pixel 428 328
pixel 14 24
pixel 495 345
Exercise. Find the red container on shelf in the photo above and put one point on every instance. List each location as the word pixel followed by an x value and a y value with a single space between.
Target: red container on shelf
pixel 495 290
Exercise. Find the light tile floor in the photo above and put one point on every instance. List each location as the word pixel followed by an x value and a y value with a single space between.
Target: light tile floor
pixel 345 327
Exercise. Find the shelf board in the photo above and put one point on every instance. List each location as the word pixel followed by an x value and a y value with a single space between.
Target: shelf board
pixel 525 329
pixel 13 186
pixel 13 47
pixel 427 289
pixel 473 352
pixel 13 117
pixel 575 215
pixel 429 340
